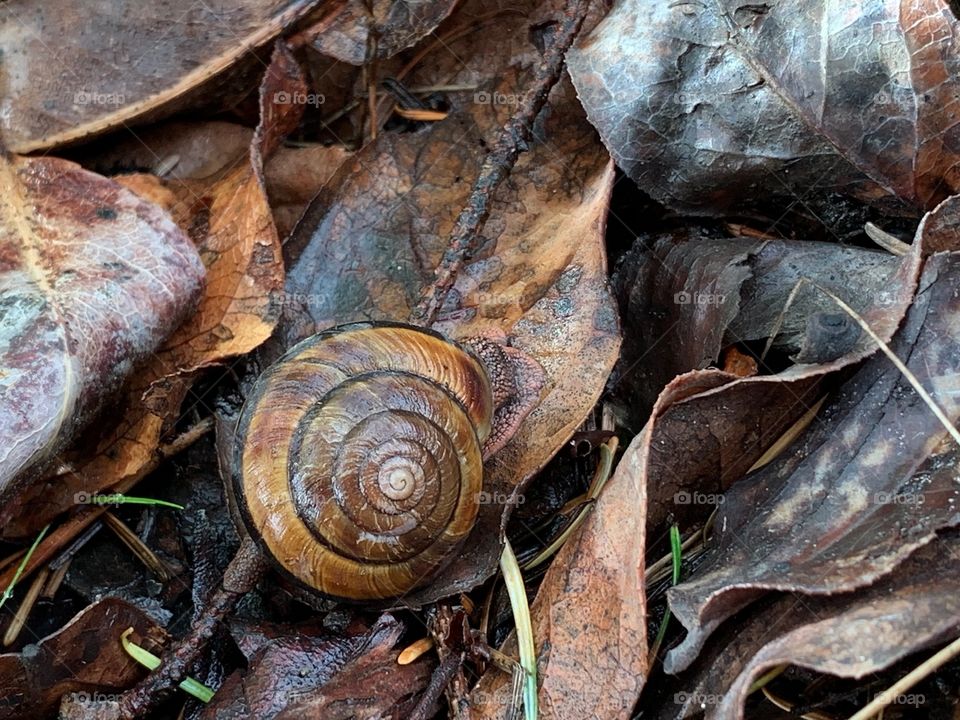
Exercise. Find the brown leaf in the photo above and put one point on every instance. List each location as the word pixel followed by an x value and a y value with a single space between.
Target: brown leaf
pixel 867 485
pixel 83 658
pixel 689 296
pixel 230 221
pixel 589 617
pixel 133 64
pixel 853 635
pixel 93 279
pixel 350 677
pixel 538 276
pixel 704 105
pixel 356 32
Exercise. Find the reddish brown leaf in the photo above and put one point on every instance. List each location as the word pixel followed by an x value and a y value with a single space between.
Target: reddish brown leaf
pixel 708 106
pixel 93 279
pixel 230 221
pixel 352 677
pixel 84 659
pixel 538 276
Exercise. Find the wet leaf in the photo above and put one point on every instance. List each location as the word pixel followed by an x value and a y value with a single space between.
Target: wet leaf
pixel 690 295
pixel 356 32
pixel 589 617
pixel 131 64
pixel 230 222
pixel 868 484
pixel 83 659
pixel 93 279
pixel 719 105
pixel 330 677
pixel 853 635
pixel 539 274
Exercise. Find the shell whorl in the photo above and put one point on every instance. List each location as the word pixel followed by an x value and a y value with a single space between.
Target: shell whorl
pixel 358 458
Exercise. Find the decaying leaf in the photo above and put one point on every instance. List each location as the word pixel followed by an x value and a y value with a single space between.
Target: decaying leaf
pixel 689 296
pixel 853 635
pixel 92 280
pixel 333 677
pixel 82 659
pixel 229 219
pixel 131 64
pixel 372 238
pixel 719 105
pixel 356 32
pixel 589 617
pixel 868 484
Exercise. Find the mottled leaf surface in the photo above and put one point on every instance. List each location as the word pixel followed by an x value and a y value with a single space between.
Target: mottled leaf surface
pixel 868 484
pixel 92 279
pixel 82 658
pixel 373 236
pixel 709 106
pixel 356 32
pixel 139 58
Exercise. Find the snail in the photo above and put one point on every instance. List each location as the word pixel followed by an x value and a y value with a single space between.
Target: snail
pixel 358 457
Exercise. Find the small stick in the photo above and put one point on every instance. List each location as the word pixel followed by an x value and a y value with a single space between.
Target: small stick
pixel 513 139
pixel 240 577
pixel 438 683
pixel 29 600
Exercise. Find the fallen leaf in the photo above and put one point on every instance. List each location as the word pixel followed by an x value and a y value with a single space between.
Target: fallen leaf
pixel 356 32
pixel 720 105
pixel 538 276
pixel 84 659
pixel 93 279
pixel 352 677
pixel 689 296
pixel 869 483
pixel 230 222
pixel 852 635
pixel 133 65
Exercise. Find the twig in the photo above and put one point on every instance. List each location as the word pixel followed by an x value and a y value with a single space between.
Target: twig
pixel 438 683
pixel 513 139
pixel 240 577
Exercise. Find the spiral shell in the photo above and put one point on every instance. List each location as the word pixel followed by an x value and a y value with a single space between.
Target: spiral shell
pixel 358 458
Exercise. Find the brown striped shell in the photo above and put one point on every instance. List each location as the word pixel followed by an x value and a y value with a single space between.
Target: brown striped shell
pixel 358 458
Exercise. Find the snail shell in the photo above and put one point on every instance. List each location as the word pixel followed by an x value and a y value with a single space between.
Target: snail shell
pixel 358 465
